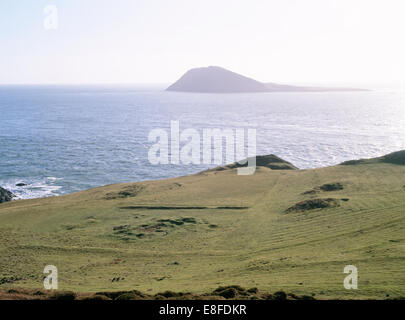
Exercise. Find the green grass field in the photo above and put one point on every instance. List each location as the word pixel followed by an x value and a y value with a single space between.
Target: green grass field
pixel 198 232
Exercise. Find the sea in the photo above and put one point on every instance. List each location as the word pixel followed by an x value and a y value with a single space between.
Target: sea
pixel 56 140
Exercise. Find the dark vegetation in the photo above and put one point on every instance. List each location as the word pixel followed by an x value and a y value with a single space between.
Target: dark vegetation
pixel 10 279
pixel 268 161
pixel 312 204
pixel 181 207
pixel 63 295
pixel 130 191
pixel 393 158
pixel 331 186
pixel 335 186
pixel 233 292
pixel 160 226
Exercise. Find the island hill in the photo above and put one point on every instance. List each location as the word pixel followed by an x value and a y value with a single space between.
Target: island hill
pixel 281 232
pixel 219 80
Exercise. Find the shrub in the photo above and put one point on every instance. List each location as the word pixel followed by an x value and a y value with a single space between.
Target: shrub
pixel 97 297
pixel 170 294
pixel 280 295
pixel 253 290
pixel 128 296
pixel 66 295
pixel 331 186
pixel 314 204
pixel 228 293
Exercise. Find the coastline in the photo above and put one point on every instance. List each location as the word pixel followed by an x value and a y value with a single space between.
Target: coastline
pixel 51 188
pixel 187 234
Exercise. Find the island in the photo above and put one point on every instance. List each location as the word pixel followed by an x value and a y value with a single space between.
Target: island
pixel 219 80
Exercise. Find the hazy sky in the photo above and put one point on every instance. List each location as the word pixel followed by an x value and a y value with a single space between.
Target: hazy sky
pixel 156 41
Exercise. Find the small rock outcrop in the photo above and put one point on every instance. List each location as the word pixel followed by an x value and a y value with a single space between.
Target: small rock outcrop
pixel 21 184
pixel 5 195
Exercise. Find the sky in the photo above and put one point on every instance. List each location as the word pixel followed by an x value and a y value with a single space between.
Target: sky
pixel 156 41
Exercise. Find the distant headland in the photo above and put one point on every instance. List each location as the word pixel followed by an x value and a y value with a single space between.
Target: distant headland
pixel 219 80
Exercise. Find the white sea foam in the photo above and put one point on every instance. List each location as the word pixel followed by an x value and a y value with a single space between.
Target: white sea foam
pixel 34 188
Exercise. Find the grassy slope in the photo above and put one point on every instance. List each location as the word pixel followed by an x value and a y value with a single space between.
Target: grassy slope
pixel 259 246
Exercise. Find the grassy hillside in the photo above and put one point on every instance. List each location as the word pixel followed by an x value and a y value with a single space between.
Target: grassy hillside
pixel 290 230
